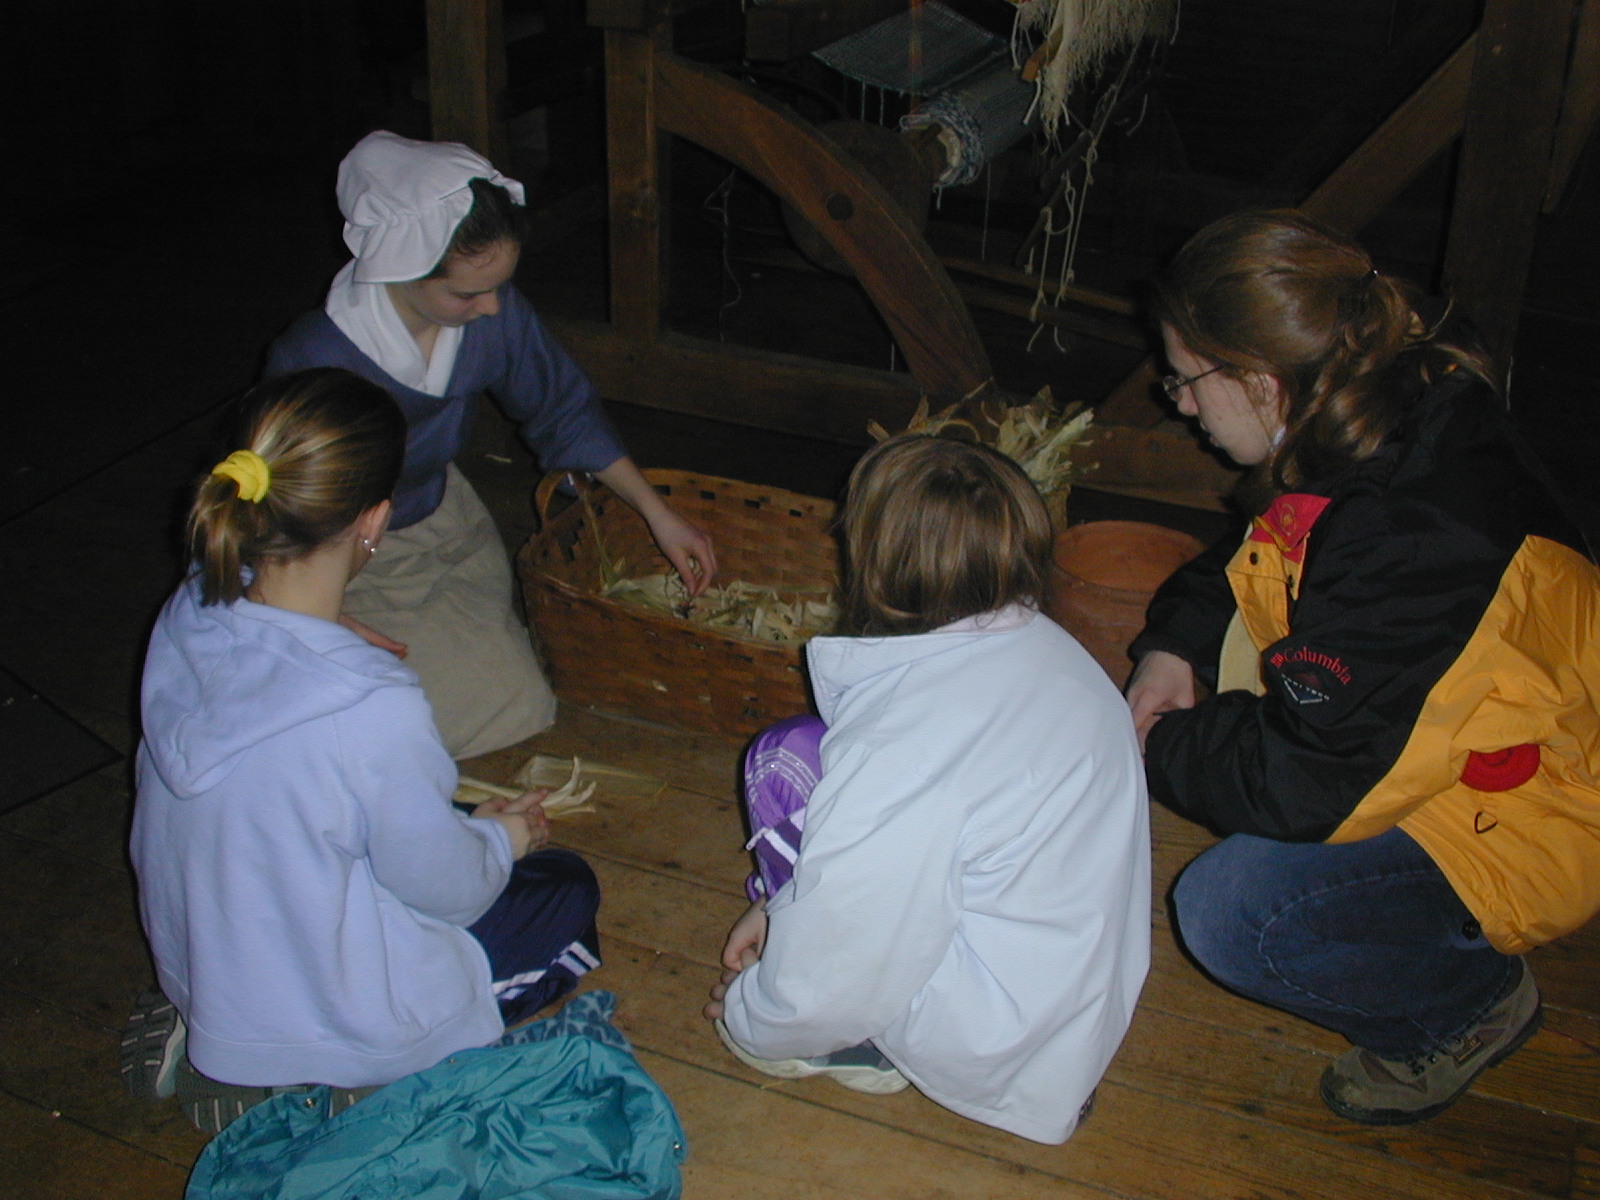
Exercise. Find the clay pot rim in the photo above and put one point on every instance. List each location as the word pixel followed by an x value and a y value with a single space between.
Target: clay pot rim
pixel 1093 530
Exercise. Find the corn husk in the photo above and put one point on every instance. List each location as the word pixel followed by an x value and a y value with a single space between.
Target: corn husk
pixel 742 609
pixel 544 770
pixel 571 798
pixel 1039 436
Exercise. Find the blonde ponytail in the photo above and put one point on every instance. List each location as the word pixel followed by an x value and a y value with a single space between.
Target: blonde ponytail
pixel 316 450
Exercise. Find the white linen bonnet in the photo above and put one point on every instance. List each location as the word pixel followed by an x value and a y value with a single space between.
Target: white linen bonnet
pixel 402 200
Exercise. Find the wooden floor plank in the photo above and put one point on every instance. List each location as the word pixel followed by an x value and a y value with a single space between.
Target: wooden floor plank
pixel 1211 1096
pixel 1480 1138
pixel 56 1061
pixel 1116 1150
pixel 664 911
pixel 48 1157
pixel 748 1143
pixel 700 762
pixel 695 836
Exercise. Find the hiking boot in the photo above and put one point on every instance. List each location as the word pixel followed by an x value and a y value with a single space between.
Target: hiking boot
pixel 860 1068
pixel 1365 1087
pixel 152 1047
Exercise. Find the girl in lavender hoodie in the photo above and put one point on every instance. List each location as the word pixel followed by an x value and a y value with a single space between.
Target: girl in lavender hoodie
pixel 317 910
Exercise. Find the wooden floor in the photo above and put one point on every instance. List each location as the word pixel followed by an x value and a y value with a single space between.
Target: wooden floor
pixel 1210 1096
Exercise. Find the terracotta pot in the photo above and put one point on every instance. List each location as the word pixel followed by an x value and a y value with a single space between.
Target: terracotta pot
pixel 1106 572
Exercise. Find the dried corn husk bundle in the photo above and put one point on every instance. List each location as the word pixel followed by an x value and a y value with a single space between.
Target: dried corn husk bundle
pixel 570 798
pixel 1038 435
pixel 544 770
pixel 743 609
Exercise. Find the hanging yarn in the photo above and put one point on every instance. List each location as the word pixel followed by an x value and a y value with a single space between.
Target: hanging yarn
pixel 1078 37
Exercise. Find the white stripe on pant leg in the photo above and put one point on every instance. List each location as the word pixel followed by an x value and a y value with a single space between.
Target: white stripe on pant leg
pixel 576 959
pixel 503 988
pixel 771 837
pixel 581 952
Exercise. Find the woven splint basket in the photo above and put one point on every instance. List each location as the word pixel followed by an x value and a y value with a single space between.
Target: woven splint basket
pixel 623 658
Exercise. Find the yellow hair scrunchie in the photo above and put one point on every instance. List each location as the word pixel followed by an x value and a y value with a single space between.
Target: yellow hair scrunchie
pixel 249 470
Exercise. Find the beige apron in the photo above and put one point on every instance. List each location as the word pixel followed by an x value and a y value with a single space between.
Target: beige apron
pixel 443 587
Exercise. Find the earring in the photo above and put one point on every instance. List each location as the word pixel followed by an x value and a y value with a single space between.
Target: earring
pixel 370 545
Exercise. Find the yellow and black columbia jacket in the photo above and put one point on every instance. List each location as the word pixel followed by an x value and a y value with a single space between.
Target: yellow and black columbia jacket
pixel 1420 647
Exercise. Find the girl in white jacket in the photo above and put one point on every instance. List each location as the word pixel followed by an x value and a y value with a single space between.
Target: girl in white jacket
pixel 968 905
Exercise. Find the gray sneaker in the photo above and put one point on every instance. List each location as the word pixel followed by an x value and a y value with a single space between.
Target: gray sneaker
pixel 152 1047
pixel 1361 1086
pixel 213 1105
pixel 860 1068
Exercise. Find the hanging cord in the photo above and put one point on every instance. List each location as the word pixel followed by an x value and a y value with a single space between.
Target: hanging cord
pixel 719 202
pixel 988 191
pixel 1073 198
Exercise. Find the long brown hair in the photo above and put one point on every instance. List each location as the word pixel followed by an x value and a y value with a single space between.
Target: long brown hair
pixel 1273 292
pixel 334 444
pixel 936 530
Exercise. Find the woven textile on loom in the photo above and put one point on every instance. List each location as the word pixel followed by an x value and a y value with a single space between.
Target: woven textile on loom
pixel 919 52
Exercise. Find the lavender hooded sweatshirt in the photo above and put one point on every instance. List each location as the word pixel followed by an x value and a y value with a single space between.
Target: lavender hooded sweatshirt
pixel 303 879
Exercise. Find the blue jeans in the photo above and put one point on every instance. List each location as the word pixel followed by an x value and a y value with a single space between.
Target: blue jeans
pixel 1366 938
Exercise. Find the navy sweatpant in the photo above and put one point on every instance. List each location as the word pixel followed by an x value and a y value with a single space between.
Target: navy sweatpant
pixel 540 933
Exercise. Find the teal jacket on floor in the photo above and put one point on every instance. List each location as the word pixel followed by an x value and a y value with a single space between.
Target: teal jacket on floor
pixel 562 1112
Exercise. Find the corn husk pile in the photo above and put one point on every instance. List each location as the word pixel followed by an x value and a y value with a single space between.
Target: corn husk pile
pixel 746 610
pixel 1039 435
pixel 742 609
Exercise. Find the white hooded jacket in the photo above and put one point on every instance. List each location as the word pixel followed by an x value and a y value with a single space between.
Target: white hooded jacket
pixel 303 880
pixel 973 886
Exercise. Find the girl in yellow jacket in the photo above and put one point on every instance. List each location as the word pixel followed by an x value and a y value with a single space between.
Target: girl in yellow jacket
pixel 1403 654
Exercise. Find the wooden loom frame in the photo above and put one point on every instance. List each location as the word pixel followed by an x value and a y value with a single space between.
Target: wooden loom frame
pixel 1507 92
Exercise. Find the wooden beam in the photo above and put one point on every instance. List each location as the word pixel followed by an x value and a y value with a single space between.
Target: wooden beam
pixel 1396 153
pixel 830 402
pixel 786 393
pixel 1369 100
pixel 1363 185
pixel 1518 74
pixel 467 75
pixel 1076 294
pixel 1581 106
pixel 633 158
pixel 1165 463
pixel 636 15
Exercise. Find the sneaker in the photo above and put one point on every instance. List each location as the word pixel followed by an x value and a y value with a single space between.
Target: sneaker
pixel 152 1047
pixel 860 1068
pixel 1362 1086
pixel 213 1105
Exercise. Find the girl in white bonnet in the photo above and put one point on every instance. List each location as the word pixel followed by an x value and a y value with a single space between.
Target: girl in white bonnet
pixel 427 310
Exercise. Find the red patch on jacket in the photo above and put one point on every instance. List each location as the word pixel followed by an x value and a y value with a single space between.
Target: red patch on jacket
pixel 1501 770
pixel 1287 522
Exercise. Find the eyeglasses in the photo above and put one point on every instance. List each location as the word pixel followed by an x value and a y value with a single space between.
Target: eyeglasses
pixel 1173 384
